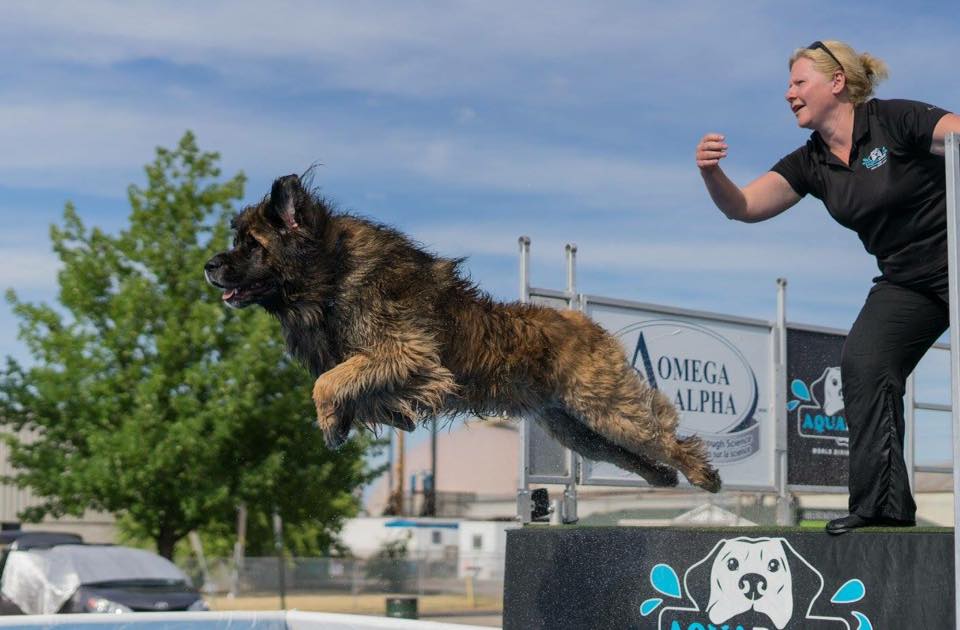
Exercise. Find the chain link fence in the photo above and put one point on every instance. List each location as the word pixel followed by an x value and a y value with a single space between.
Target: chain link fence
pixel 464 575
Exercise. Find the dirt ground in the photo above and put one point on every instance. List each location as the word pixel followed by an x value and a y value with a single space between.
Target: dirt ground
pixel 364 604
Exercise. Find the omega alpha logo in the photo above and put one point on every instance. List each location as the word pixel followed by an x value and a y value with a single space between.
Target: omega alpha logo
pixel 707 378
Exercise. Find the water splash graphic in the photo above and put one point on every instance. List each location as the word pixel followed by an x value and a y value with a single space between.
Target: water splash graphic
pixel 862 622
pixel 799 389
pixel 650 605
pixel 852 591
pixel 665 580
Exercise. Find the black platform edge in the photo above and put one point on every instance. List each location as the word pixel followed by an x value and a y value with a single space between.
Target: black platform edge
pixel 728 579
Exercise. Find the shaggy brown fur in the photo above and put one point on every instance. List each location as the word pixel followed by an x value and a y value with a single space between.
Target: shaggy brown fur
pixel 395 335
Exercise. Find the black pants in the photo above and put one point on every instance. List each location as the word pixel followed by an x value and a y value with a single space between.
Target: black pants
pixel 896 326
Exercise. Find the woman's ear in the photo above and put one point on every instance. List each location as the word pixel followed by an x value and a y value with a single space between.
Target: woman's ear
pixel 839 82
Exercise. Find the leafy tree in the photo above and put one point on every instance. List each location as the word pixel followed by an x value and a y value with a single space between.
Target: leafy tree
pixel 148 398
pixel 389 566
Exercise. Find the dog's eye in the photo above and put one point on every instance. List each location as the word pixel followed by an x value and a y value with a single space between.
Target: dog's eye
pixel 732 564
pixel 773 566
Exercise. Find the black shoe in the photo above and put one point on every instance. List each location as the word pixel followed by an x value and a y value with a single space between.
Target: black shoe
pixel 854 521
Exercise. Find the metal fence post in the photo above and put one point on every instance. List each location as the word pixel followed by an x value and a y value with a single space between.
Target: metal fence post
pixel 785 515
pixel 568 505
pixel 952 155
pixel 910 426
pixel 278 544
pixel 524 504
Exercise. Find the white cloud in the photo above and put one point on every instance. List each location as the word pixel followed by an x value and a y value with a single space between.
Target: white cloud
pixel 34 268
pixel 401 48
pixel 466 115
pixel 67 142
pixel 617 251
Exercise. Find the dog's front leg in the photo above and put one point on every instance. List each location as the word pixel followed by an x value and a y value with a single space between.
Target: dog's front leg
pixel 395 383
pixel 330 391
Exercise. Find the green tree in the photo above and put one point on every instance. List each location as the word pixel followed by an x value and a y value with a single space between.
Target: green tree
pixel 151 400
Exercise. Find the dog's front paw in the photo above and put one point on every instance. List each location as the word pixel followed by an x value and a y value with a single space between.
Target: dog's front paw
pixel 707 478
pixel 336 429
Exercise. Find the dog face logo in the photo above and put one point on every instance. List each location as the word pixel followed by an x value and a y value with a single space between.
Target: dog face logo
pixel 832 391
pixel 876 159
pixel 820 407
pixel 751 584
pixel 751 575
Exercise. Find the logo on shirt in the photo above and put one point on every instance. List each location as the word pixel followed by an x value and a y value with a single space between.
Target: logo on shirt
pixel 876 159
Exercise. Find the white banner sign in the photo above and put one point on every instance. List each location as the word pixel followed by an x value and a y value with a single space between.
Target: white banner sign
pixel 719 376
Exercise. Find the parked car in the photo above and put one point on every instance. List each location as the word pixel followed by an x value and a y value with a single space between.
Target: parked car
pixel 36 538
pixel 81 578
pixel 18 539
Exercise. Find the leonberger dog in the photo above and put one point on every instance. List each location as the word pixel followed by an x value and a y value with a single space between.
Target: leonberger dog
pixel 395 335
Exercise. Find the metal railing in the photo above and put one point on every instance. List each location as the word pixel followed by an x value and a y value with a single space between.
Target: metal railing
pixel 952 154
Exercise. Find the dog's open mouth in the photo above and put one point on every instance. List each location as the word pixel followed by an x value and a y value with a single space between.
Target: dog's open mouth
pixel 243 295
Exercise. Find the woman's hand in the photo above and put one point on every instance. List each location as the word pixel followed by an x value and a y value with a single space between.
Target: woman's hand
pixel 711 149
pixel 764 197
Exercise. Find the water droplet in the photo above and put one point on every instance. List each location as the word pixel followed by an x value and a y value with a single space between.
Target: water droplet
pixel 650 605
pixel 850 592
pixel 862 622
pixel 664 579
pixel 793 404
pixel 799 389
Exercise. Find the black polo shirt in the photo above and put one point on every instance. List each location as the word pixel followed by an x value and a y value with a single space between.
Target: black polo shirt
pixel 893 193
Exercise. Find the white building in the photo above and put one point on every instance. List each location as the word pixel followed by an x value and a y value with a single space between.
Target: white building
pixel 426 537
pixel 483 549
pixel 477 547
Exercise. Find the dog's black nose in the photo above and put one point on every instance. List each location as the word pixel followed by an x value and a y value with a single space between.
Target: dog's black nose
pixel 753 586
pixel 211 270
pixel 213 263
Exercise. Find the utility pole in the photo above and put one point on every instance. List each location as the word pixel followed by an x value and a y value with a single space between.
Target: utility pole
pixel 395 505
pixel 278 543
pixel 429 507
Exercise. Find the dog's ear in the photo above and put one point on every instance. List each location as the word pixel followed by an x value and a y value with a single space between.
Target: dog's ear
pixel 697 578
pixel 285 196
pixel 807 581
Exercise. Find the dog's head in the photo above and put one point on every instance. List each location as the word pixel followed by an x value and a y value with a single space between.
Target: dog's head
pixel 832 391
pixel 751 575
pixel 271 249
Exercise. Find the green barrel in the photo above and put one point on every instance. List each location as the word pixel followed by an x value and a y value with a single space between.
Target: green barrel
pixel 402 607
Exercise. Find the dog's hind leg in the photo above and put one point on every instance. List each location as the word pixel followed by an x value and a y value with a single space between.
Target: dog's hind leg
pixel 604 392
pixel 573 434
pixel 641 419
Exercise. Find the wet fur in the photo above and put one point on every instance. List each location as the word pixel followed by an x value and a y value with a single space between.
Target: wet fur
pixel 395 335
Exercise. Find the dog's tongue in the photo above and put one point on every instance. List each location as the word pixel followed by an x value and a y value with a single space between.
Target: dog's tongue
pixel 229 294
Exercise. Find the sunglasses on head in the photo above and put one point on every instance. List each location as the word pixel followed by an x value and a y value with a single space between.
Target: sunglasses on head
pixel 818 45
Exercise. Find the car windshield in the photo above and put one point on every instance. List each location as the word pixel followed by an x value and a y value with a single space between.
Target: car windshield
pixel 137 583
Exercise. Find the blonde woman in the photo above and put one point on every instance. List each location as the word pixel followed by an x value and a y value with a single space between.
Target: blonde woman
pixel 878 167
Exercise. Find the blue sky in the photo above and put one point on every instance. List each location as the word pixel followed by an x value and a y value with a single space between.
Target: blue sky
pixel 465 124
